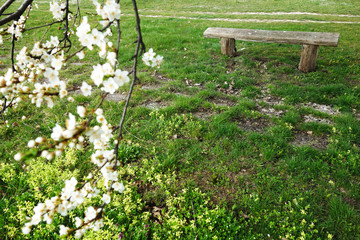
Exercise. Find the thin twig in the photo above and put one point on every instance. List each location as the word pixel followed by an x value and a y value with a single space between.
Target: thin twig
pixel 77 14
pixel 12 52
pixel 3 109
pixel 72 55
pixel 66 38
pixel 45 25
pixel 118 42
pixel 139 46
pixel 47 30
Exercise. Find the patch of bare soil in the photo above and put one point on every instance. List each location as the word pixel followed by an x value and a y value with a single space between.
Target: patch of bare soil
pixel 203 115
pixel 268 98
pixel 151 87
pixel 210 183
pixel 3 68
pixel 116 97
pixel 323 108
pixel 154 105
pixel 231 90
pixel 271 112
pixel 223 102
pixel 254 125
pixel 311 118
pixel 307 139
pixel 160 77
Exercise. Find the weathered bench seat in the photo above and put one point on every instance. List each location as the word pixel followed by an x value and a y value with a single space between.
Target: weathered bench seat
pixel 310 41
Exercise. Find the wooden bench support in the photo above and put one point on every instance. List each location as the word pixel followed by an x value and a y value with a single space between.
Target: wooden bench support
pixel 308 58
pixel 228 46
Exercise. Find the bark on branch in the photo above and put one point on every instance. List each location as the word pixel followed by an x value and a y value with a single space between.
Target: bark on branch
pixel 5 6
pixel 17 14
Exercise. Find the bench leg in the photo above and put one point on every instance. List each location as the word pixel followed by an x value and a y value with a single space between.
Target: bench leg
pixel 228 46
pixel 308 58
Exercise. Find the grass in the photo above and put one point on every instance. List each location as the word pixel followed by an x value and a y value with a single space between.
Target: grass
pixel 210 162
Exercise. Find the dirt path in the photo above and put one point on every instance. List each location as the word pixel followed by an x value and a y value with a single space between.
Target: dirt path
pixel 264 13
pixel 247 20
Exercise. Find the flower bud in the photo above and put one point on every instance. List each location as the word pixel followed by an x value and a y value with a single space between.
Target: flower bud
pixel 39 140
pixel 44 153
pixel 31 144
pixel 18 157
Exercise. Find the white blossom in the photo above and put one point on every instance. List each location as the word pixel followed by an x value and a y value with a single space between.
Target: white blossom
pixel 90 214
pixel 157 61
pixel 51 74
pixel 62 209
pixel 110 11
pixel 18 156
pixel 77 198
pixel 39 140
pixel 63 230
pixel 63 93
pixel 69 186
pixel 107 69
pixel 148 55
pixel 80 55
pixel 56 63
pixel 97 37
pixel 99 111
pixel 31 143
pixel 57 132
pixel 121 77
pixel 36 219
pixel 101 119
pixel 56 10
pixel 110 86
pixel 118 187
pixel 78 222
pixel 81 111
pixel 150 59
pixel 86 89
pixel 50 102
pixel 97 74
pixel 26 229
pixel 48 218
pixel 54 41
pixel 111 58
pixel 106 198
pixel 71 123
pixel 49 204
pixel 78 234
pixel 97 225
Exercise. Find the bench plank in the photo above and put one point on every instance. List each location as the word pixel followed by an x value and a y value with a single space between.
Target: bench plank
pixel 287 37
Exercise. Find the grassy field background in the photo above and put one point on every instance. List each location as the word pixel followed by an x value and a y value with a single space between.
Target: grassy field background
pixel 215 147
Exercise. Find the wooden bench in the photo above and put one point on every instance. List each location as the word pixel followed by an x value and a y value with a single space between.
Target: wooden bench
pixel 310 41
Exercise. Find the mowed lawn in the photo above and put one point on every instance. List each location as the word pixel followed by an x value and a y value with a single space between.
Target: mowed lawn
pixel 214 147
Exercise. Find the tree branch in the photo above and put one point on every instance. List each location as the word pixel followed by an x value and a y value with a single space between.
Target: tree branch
pixel 5 6
pixel 140 47
pixel 17 14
